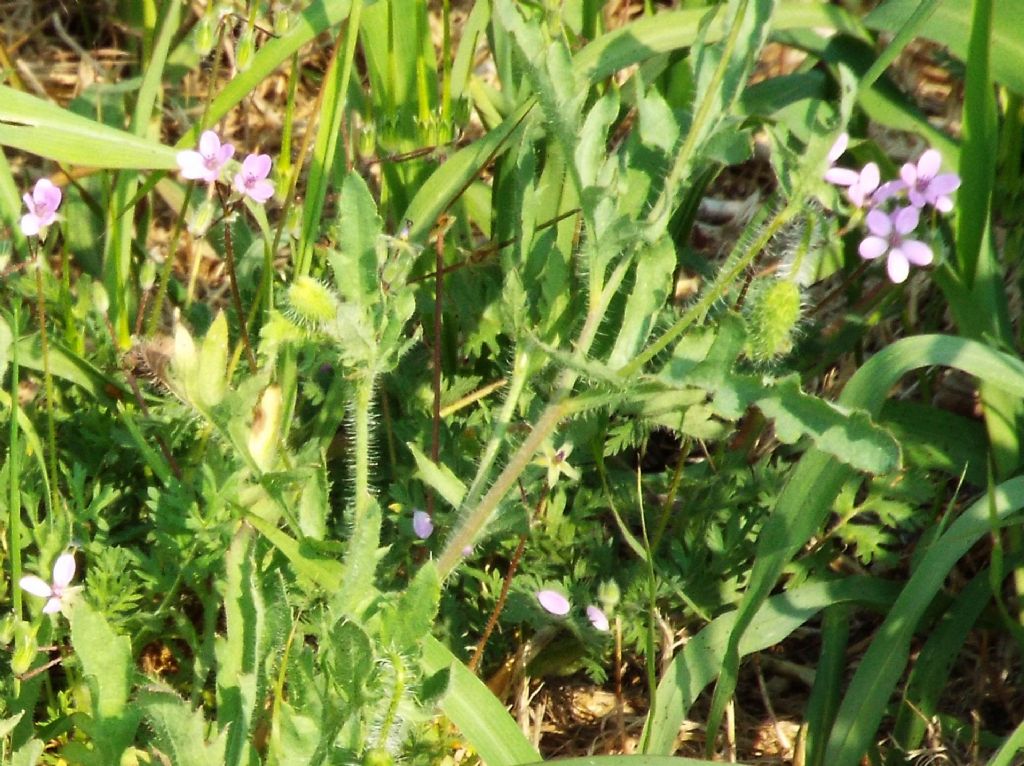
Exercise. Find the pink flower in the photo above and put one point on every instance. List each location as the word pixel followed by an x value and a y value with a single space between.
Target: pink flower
pixel 554 602
pixel 887 236
pixel 861 190
pixel 42 207
pixel 251 180
pixel 57 592
pixel 597 618
pixel 925 186
pixel 422 525
pixel 839 176
pixel 205 165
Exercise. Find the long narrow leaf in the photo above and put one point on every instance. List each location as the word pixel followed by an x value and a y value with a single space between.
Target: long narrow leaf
pixel 880 668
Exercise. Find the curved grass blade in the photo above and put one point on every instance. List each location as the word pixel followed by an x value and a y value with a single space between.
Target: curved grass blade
pixel 813 486
pixel 697 665
pixel 38 127
pixel 478 714
pixel 868 694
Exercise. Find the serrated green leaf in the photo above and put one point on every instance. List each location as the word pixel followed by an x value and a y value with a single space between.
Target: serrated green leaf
pixel 180 731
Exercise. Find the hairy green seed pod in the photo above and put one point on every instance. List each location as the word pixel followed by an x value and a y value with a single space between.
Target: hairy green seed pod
pixel 378 757
pixel 773 311
pixel 311 300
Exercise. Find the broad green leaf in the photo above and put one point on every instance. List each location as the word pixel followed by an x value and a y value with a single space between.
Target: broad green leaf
pixel 211 369
pixel 479 716
pixel 28 754
pixel 652 283
pixel 358 229
pixel 699 662
pixel 326 573
pixel 350 655
pixel 439 478
pixel 416 609
pixel 950 25
pixel 294 739
pixel 106 660
pixel 39 127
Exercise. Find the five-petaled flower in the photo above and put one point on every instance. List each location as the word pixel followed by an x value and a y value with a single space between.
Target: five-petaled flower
pixel 42 206
pixel 888 235
pixel 422 524
pixel 57 593
pixel 925 186
pixel 205 164
pixel 862 190
pixel 252 181
pixel 557 463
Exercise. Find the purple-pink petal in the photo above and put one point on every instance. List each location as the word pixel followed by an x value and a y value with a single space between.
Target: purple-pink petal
pixel 63 571
pixel 597 618
pixel 928 165
pixel 897 266
pixel 838 148
pixel 30 224
pixel 905 220
pixel 209 144
pixel 943 204
pixel 257 166
pixel 554 602
pixel 422 524
pixel 261 191
pixel 37 586
pixel 52 605
pixel 879 223
pixel 918 253
pixel 909 174
pixel 225 153
pixel 193 166
pixel 872 247
pixel 887 190
pixel 46 195
pixel 944 184
pixel 841 176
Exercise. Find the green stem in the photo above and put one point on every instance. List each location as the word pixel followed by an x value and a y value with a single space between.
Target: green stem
pixel 361 438
pixel 14 472
pixel 44 345
pixel 397 691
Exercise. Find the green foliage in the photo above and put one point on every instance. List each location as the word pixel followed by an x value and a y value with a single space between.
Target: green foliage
pixel 485 294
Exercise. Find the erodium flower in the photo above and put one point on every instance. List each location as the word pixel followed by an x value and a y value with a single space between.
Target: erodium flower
pixel 925 186
pixel 251 180
pixel 554 602
pixel 422 524
pixel 205 164
pixel 42 206
pixel 888 235
pixel 59 591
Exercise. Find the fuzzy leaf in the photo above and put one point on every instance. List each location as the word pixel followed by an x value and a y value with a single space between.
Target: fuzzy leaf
pixel 180 731
pixel 416 608
pixel 358 230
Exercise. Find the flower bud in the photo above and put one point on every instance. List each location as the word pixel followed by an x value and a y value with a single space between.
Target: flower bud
pixel 773 311
pixel 100 299
pixel 266 426
pixel 202 217
pixel 608 594
pixel 245 51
